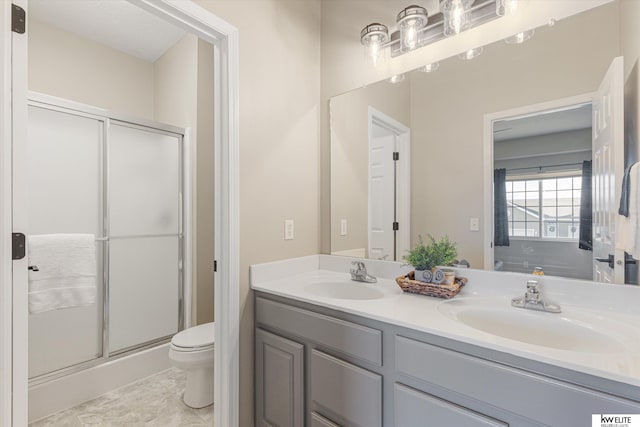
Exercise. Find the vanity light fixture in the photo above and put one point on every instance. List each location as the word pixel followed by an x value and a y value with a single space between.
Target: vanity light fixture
pixel 396 79
pixel 373 37
pixel 520 37
pixel 471 53
pixel 457 16
pixel 429 68
pixel 410 21
pixel 416 28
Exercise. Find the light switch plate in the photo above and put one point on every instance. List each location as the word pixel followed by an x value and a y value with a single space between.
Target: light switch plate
pixel 474 224
pixel 343 227
pixel 288 229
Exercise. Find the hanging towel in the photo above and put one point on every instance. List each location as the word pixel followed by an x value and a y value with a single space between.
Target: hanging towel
pixel 624 194
pixel 628 237
pixel 66 275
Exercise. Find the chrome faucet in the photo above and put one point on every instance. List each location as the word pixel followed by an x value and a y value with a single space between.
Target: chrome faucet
pixel 359 273
pixel 534 300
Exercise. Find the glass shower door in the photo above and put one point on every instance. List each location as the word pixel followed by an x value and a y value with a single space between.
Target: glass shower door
pixel 145 232
pixel 65 197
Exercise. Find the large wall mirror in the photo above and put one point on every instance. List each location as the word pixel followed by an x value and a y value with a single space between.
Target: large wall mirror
pixel 417 157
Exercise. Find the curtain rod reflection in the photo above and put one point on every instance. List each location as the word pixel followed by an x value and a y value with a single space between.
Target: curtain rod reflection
pixel 546 166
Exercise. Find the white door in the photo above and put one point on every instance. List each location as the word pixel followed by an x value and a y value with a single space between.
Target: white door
pixel 19 222
pixel 389 187
pixel 381 196
pixel 608 169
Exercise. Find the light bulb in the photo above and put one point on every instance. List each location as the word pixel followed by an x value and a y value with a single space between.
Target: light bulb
pixel 457 16
pixel 411 37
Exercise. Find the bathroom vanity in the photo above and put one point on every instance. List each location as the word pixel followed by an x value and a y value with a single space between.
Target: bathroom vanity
pixel 333 352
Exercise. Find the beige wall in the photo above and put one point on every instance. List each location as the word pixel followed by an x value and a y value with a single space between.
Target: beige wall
pixel 630 43
pixel 175 84
pixel 183 89
pixel 65 65
pixel 350 155
pixel 279 143
pixel 204 194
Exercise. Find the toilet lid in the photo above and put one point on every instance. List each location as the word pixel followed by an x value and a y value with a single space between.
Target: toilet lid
pixel 195 337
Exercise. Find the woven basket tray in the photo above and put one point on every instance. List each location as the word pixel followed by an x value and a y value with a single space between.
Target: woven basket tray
pixel 407 284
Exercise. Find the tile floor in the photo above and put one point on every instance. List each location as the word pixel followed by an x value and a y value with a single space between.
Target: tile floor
pixel 153 401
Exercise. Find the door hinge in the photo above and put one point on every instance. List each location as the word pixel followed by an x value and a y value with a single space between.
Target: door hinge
pixel 215 266
pixel 396 156
pixel 18 246
pixel 18 19
pixel 396 226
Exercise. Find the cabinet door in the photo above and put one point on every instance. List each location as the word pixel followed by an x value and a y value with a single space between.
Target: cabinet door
pixel 279 381
pixel 415 409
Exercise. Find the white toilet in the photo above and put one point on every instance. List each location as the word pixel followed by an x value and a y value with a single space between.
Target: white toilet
pixel 192 350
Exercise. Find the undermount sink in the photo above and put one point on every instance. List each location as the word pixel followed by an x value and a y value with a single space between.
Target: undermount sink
pixel 573 330
pixel 343 290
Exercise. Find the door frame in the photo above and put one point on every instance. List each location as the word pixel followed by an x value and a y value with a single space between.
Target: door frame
pixel 403 183
pixel 527 110
pixel 13 323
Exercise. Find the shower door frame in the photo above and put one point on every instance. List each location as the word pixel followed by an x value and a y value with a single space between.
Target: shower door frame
pixel 13 274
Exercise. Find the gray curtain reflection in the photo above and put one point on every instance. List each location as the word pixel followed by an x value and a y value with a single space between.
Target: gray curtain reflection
pixel 586 212
pixel 501 226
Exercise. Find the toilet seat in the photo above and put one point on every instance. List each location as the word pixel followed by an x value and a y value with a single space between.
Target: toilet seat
pixel 197 338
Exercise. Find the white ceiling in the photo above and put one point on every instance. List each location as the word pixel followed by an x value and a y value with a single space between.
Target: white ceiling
pixel 115 23
pixel 565 120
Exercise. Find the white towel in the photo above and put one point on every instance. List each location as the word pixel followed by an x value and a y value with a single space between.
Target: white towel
pixel 67 271
pixel 628 237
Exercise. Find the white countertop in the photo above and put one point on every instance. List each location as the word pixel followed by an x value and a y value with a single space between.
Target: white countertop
pixel 605 304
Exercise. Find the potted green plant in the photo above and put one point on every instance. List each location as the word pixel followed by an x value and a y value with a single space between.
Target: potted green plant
pixel 424 257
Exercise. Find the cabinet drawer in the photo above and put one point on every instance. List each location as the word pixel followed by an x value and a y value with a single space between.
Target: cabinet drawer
pixel 344 392
pixel 539 398
pixel 416 409
pixel 348 338
pixel 320 421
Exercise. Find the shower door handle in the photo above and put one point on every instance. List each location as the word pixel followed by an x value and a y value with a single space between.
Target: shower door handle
pixel 608 260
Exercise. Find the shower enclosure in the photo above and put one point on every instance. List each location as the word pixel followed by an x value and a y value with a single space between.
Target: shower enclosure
pixel 91 171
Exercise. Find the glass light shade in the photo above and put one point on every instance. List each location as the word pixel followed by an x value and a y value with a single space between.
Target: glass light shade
pixel 520 37
pixel 373 37
pixel 507 7
pixel 429 68
pixel 396 79
pixel 410 21
pixel 471 53
pixel 457 16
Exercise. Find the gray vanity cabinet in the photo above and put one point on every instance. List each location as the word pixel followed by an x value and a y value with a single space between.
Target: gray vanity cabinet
pixel 279 381
pixel 319 367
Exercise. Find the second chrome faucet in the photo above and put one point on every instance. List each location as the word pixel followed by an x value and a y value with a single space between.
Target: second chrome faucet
pixel 359 273
pixel 534 300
